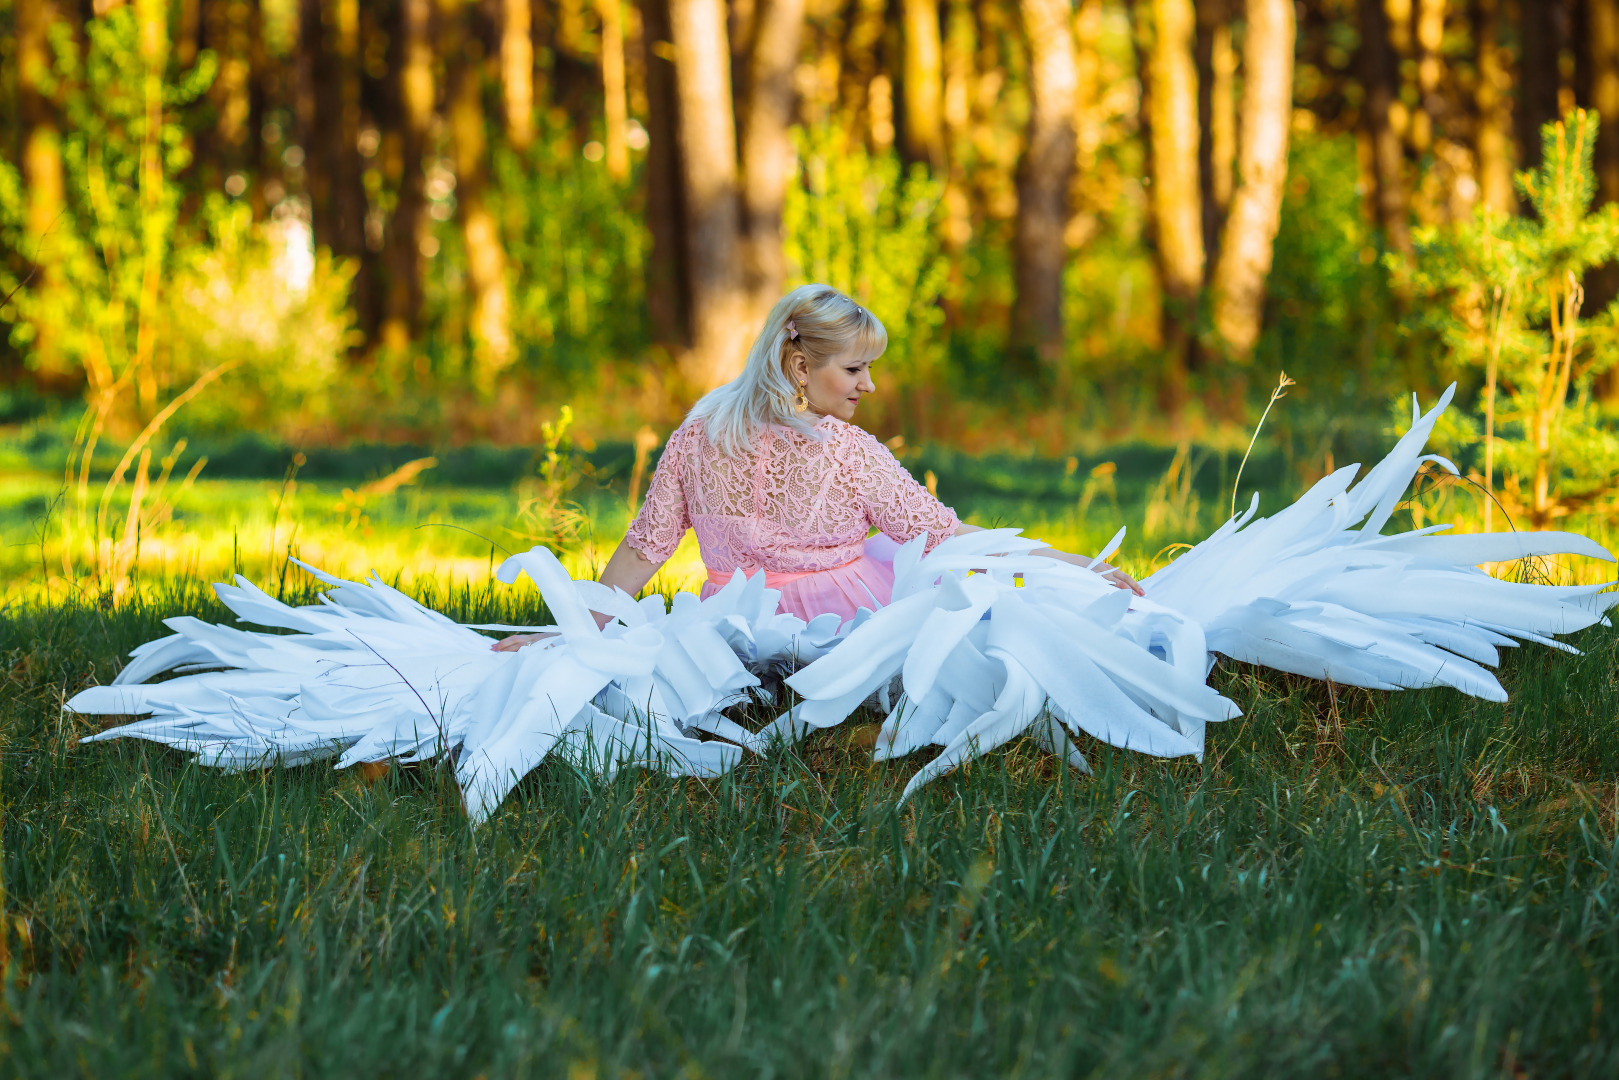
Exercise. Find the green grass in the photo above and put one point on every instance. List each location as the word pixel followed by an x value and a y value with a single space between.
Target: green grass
pixel 1352 884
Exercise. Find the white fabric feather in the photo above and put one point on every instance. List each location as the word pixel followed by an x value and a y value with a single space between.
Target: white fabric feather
pixel 982 641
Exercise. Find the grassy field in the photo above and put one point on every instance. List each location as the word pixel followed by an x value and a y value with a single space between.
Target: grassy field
pixel 454 520
pixel 1351 884
pixel 451 522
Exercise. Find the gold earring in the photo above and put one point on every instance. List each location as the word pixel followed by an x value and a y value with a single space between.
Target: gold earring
pixel 802 403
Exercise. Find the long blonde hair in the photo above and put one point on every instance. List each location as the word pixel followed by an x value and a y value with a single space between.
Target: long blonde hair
pixel 827 324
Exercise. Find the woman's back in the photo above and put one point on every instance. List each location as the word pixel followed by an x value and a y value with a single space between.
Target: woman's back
pixel 792 504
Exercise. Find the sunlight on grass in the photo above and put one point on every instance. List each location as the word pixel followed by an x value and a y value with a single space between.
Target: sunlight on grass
pixel 435 534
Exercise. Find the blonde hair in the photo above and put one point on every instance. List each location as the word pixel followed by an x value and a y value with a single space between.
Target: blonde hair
pixel 825 324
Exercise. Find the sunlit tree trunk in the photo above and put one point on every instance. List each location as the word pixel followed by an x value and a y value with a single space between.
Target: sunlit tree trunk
pixel 1177 208
pixel 956 115
pixel 1428 36
pixel 1044 177
pixel 517 71
pixel 719 307
pixel 1602 56
pixel 1256 208
pixel 615 100
pixel 1083 214
pixel 152 30
pixel 768 159
pixel 924 131
pixel 1088 16
pixel 1380 78
pixel 1493 102
pixel 486 254
pixel 41 161
pixel 1217 119
pixel 409 228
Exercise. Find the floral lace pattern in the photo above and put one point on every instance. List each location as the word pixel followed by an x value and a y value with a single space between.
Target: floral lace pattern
pixel 792 504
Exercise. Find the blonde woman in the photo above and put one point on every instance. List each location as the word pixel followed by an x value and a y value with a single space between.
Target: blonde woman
pixel 775 478
pixel 778 483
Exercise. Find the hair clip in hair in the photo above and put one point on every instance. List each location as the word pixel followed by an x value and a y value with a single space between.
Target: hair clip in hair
pixel 792 331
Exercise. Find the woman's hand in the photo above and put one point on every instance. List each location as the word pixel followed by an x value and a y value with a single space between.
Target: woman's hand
pixel 1119 579
pixel 517 641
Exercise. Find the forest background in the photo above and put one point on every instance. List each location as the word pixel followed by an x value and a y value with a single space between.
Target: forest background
pixel 416 232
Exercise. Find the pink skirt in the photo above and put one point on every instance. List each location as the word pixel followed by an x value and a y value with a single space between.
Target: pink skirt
pixel 866 582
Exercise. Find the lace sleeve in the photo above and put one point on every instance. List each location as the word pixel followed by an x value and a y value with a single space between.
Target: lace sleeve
pixel 892 499
pixel 658 529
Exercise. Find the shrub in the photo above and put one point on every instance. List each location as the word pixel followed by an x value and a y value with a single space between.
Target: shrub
pixel 1503 296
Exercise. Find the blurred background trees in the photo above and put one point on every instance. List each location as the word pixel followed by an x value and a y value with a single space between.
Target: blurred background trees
pixel 441 219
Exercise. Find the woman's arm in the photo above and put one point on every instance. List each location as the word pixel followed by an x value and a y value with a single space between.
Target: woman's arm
pixel 1111 574
pixel 628 569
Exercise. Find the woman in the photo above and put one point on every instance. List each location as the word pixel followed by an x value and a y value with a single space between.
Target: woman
pixel 776 479
pixel 969 638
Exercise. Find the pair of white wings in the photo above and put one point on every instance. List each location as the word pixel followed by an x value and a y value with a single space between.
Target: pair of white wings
pixel 983 641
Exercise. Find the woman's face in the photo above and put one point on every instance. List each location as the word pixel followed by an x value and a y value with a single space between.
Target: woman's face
pixel 836 387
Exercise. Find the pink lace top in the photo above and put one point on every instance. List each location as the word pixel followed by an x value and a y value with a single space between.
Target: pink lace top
pixel 792 504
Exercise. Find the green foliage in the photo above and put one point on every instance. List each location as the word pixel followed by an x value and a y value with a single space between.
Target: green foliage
pixel 1351 884
pixel 859 222
pixel 243 298
pixel 113 243
pixel 547 503
pixel 1327 298
pixel 577 243
pixel 130 291
pixel 1502 296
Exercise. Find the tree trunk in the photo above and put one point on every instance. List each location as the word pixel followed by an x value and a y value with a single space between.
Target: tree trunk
pixel 1380 76
pixel 409 229
pixel 956 113
pixel 486 254
pixel 924 132
pixel 615 105
pixel 1044 178
pixel 719 307
pixel 1601 39
pixel 152 32
pixel 330 116
pixel 1256 208
pixel 517 71
pixel 229 26
pixel 1176 189
pixel 1216 119
pixel 186 26
pixel 41 163
pixel 1088 87
pixel 265 93
pixel 1493 102
pixel 768 159
pixel 668 297
pixel 1544 31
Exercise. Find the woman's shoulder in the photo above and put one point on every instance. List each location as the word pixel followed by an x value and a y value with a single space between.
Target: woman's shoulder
pixel 851 437
pixel 690 430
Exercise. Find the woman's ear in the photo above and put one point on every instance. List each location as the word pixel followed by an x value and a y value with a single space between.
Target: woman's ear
pixel 797 367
